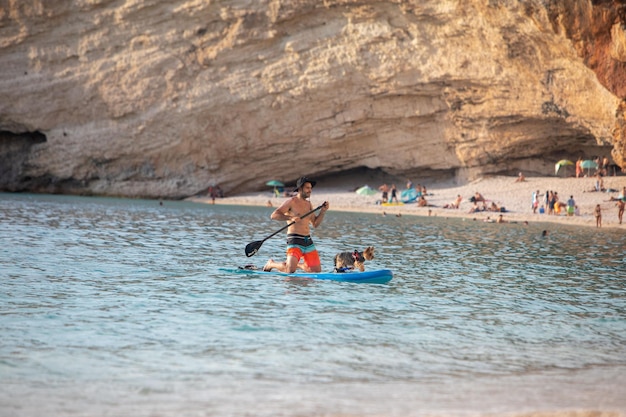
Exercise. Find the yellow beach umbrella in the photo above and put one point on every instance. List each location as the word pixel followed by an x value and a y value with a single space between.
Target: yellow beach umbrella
pixel 561 163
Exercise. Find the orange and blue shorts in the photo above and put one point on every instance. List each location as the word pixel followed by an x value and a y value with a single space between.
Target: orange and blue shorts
pixel 302 247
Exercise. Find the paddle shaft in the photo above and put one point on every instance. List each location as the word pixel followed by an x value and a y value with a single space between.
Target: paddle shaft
pixel 292 223
pixel 253 247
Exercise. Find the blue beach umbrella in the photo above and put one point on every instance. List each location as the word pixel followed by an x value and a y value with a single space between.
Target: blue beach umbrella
pixel 274 183
pixel 588 164
pixel 278 186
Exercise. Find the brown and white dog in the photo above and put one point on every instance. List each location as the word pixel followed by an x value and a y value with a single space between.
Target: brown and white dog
pixel 353 260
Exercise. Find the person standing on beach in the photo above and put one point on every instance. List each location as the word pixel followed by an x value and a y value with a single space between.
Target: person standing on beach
pixel 212 193
pixel 385 190
pixel 598 213
pixel 394 193
pixel 620 210
pixel 535 203
pixel 579 168
pixel 571 204
pixel 299 242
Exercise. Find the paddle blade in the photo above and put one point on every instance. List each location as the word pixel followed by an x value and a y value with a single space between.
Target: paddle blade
pixel 253 248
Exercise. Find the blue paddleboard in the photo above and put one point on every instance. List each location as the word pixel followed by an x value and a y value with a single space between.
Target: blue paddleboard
pixel 380 276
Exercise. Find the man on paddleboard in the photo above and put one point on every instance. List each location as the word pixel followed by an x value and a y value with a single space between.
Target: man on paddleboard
pixel 299 242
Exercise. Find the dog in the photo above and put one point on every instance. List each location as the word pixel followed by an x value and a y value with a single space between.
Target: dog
pixel 345 261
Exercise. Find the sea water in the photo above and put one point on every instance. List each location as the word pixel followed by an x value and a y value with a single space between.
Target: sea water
pixel 117 307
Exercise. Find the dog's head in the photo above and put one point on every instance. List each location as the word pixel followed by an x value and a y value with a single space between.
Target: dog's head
pixel 368 253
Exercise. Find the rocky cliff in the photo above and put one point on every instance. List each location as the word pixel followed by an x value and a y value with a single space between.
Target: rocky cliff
pixel 163 98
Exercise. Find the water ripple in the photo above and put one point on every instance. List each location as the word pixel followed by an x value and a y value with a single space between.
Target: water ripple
pixel 120 307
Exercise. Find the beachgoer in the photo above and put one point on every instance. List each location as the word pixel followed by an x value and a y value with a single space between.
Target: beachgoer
pixel 501 219
pixel 385 190
pixel 409 184
pixel 299 242
pixel 598 213
pixel 599 182
pixel 421 201
pixel 478 197
pixel 559 207
pixel 579 168
pixel 212 193
pixel 520 178
pixel 620 197
pixel 551 202
pixel 394 193
pixel 535 203
pixel 456 203
pixel 571 204
pixel 620 210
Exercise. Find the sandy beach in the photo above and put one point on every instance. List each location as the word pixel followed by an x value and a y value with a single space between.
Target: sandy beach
pixel 505 191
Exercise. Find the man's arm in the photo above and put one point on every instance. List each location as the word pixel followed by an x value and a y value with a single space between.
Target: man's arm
pixel 282 212
pixel 317 220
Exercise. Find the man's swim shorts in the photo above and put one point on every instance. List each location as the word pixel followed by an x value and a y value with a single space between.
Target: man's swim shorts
pixel 300 247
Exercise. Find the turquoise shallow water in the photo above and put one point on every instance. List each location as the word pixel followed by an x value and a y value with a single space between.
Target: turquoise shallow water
pixel 112 307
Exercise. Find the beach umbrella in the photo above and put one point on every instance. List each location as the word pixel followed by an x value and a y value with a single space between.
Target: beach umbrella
pixel 588 164
pixel 366 190
pixel 277 186
pixel 561 163
pixel 274 183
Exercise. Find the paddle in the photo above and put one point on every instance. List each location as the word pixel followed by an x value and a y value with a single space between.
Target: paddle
pixel 253 247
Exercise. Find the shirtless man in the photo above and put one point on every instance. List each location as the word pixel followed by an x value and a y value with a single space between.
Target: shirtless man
pixel 299 242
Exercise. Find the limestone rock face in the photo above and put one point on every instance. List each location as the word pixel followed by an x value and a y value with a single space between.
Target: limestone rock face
pixel 597 30
pixel 164 98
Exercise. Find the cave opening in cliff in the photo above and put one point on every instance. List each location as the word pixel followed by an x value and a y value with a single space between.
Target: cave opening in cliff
pixel 8 137
pixel 14 151
pixel 377 176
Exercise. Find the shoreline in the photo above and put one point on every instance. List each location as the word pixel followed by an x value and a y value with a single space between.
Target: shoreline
pixel 515 197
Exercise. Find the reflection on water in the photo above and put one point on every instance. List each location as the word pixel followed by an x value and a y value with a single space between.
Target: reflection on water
pixel 118 307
